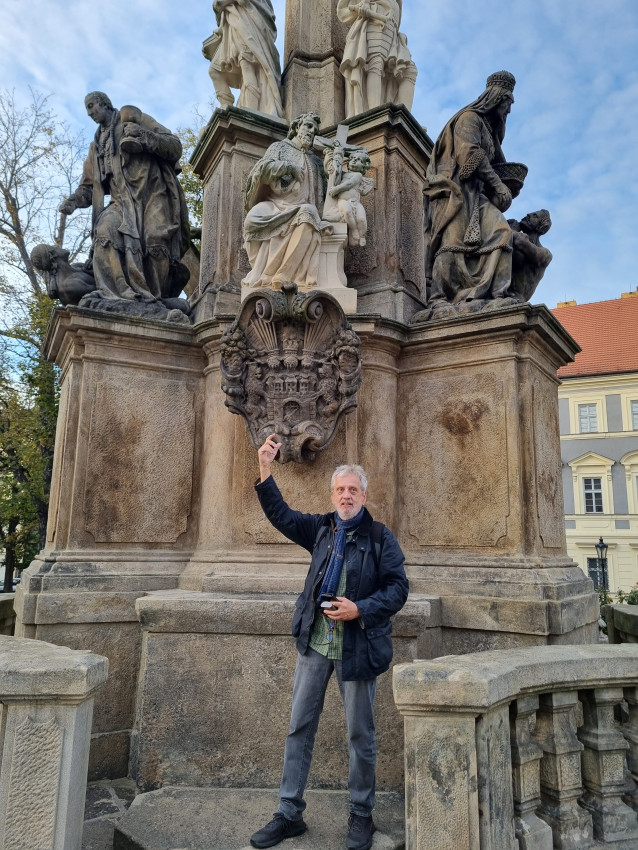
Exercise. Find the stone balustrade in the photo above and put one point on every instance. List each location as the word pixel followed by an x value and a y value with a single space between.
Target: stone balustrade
pixel 622 623
pixel 46 707
pixel 528 749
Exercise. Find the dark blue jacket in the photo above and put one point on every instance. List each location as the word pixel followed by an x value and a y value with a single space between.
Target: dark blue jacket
pixel 379 593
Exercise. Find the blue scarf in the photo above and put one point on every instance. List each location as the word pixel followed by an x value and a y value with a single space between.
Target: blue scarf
pixel 335 564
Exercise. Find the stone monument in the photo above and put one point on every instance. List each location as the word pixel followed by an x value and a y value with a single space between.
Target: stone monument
pixel 377 65
pixel 158 555
pixel 243 55
pixel 139 238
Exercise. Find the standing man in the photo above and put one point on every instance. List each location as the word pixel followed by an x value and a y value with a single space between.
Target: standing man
pixel 355 583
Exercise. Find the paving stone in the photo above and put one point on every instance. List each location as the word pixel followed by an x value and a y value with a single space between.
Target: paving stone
pixel 225 818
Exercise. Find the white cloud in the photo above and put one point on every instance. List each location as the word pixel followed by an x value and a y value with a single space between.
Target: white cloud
pixel 573 123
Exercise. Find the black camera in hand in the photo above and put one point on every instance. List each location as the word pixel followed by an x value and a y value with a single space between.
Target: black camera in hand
pixel 325 602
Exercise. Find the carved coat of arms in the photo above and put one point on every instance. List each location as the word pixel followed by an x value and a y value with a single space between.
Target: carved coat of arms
pixel 291 366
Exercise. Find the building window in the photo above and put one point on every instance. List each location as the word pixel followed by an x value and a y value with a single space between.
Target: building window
pixel 634 415
pixel 597 570
pixel 587 419
pixel 593 489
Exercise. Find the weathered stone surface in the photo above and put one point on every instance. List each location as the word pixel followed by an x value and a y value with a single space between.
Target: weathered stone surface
pixel 313 50
pixel 476 682
pixel 46 693
pixel 7 614
pixel 229 147
pixel 388 273
pixel 460 748
pixel 622 623
pixel 233 674
pixel 30 668
pixel 224 819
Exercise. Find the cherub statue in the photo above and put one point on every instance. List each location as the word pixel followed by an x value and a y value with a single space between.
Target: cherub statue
pixel 344 198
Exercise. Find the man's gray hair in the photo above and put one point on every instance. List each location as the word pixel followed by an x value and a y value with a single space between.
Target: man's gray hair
pixel 350 469
pixel 99 95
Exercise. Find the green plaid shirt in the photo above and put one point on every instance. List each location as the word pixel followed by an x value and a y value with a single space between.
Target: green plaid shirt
pixel 320 631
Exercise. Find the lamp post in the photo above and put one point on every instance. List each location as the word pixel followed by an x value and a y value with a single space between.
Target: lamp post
pixel 601 553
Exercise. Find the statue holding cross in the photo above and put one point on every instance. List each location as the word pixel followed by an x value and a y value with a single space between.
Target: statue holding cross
pixel 288 212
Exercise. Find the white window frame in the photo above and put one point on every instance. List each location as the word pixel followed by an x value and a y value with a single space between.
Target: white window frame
pixel 590 488
pixel 633 414
pixel 630 464
pixel 592 465
pixel 590 406
pixel 601 413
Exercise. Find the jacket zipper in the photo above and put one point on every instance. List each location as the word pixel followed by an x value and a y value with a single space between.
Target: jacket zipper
pixel 321 575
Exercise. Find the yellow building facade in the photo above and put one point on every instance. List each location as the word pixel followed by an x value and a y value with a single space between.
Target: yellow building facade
pixel 598 404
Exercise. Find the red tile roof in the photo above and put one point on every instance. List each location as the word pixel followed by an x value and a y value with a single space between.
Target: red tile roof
pixel 607 331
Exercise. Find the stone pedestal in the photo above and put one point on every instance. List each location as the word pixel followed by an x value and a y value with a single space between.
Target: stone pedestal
pixel 231 677
pixel 124 499
pixel 482 516
pixel 46 702
pixel 457 428
pixel 389 272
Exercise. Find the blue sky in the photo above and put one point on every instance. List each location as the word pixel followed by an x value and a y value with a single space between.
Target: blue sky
pixel 574 122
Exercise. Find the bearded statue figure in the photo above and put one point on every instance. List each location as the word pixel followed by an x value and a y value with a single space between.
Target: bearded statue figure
pixel 470 255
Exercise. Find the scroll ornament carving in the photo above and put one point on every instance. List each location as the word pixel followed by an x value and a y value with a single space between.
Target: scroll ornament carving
pixel 291 365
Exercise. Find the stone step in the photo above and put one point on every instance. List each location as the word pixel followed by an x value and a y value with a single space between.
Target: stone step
pixel 225 818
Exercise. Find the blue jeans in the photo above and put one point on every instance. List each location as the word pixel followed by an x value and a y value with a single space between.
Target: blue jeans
pixel 312 674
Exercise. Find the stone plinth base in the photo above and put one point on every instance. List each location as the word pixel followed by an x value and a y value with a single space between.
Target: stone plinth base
pixel 229 662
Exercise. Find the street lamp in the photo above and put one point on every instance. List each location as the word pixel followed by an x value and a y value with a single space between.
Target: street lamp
pixel 601 553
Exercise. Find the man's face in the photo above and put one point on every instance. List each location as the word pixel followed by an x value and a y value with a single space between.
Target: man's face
pixel 306 132
pixel 97 110
pixel 347 496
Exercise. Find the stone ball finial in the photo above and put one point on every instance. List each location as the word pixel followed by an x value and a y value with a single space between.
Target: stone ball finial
pixel 501 80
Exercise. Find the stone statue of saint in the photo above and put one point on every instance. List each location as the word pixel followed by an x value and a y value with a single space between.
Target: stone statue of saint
pixel 140 235
pixel 377 64
pixel 243 55
pixel 470 256
pixel 284 200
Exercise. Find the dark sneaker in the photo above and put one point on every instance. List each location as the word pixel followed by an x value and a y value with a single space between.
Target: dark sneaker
pixel 278 829
pixel 360 832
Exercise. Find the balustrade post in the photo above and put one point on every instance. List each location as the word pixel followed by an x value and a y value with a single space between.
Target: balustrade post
pixel 441 799
pixel 494 765
pixel 47 696
pixel 561 782
pixel 532 833
pixel 604 767
pixel 630 731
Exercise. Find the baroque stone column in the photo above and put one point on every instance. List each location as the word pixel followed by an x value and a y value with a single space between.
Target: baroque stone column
pixel 233 141
pixel 313 50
